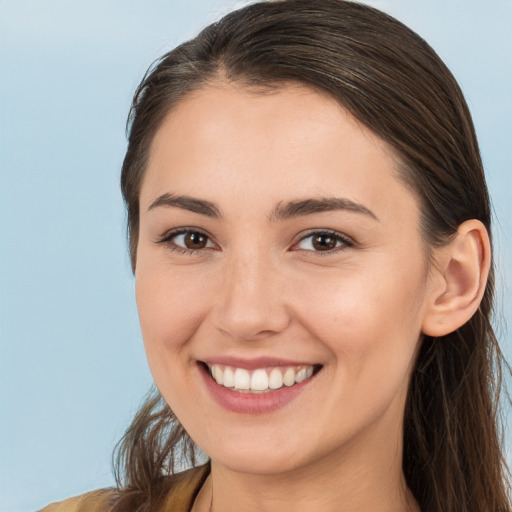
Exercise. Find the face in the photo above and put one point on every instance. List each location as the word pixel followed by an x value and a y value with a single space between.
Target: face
pixel 279 254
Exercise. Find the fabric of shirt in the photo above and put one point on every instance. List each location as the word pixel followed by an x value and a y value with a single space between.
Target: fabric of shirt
pixel 182 489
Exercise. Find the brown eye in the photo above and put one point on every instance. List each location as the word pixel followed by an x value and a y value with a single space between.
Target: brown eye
pixel 324 242
pixel 194 240
pixel 187 241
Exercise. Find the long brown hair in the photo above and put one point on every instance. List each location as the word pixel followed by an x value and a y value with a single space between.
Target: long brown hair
pixel 394 83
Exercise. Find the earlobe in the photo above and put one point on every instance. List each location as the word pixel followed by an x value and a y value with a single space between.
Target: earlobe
pixel 459 279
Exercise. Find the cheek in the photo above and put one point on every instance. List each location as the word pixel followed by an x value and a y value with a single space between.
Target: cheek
pixel 370 321
pixel 356 302
pixel 171 307
pixel 372 330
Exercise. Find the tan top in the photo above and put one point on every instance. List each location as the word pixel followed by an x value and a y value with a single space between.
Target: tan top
pixel 182 489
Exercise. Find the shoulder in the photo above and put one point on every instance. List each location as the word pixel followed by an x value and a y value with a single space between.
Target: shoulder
pixel 95 501
pixel 179 491
pixel 182 488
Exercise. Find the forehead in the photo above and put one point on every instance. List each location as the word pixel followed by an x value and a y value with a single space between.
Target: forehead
pixel 267 146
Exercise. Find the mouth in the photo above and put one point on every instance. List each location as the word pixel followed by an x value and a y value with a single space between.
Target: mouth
pixel 260 380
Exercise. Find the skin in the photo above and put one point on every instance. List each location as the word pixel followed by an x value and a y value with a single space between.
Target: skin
pixel 259 288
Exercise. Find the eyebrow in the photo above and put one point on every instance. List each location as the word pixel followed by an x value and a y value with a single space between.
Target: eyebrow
pixel 314 205
pixel 281 211
pixel 187 203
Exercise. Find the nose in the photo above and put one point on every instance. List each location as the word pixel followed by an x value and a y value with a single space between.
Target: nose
pixel 252 304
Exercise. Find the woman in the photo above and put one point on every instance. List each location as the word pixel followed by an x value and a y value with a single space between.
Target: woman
pixel 310 236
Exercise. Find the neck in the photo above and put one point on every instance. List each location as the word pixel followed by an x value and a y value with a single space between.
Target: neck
pixel 339 482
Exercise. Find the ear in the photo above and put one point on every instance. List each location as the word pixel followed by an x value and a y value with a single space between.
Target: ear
pixel 458 279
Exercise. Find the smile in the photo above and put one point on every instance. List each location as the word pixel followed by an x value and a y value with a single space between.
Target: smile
pixel 258 386
pixel 259 380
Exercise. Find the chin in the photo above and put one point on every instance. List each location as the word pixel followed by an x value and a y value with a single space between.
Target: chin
pixel 264 455
pixel 258 463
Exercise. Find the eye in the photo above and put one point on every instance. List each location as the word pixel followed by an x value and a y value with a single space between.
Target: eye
pixel 186 240
pixel 323 241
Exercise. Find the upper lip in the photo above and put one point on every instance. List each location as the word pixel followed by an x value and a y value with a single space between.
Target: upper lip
pixel 254 363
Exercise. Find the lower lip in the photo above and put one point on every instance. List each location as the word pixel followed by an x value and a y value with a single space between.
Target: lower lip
pixel 252 403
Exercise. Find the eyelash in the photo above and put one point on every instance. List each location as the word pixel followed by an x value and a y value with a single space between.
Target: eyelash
pixel 344 240
pixel 167 239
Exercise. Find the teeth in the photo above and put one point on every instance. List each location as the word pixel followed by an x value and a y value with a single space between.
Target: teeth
pixel 303 374
pixel 218 374
pixel 229 377
pixel 242 379
pixel 275 379
pixel 289 377
pixel 261 379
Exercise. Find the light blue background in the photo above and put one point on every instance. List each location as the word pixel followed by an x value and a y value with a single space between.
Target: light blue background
pixel 72 363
